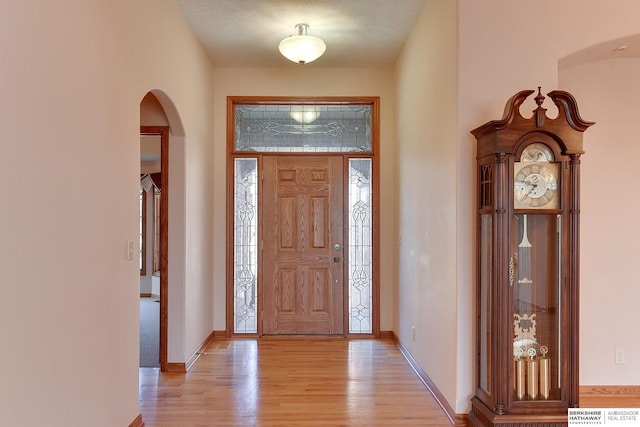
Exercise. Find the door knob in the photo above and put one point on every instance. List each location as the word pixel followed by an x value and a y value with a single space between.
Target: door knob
pixel 336 259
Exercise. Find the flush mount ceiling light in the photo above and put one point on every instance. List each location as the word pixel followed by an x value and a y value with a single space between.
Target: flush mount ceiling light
pixel 302 48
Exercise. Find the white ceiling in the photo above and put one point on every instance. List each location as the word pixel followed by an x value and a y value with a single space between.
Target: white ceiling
pixel 246 33
pixel 358 33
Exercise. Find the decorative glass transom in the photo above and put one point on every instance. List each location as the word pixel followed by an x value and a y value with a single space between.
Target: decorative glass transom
pixel 302 128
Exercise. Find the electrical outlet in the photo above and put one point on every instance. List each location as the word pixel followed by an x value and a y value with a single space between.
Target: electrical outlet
pixel 619 356
pixel 413 333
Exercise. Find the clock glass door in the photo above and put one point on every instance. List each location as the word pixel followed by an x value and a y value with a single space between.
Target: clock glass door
pixel 486 278
pixel 534 279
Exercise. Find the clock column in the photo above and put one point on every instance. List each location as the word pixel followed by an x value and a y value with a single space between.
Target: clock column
pixel 574 274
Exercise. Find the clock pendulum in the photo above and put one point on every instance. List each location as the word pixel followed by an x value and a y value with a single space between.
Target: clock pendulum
pixel 524 256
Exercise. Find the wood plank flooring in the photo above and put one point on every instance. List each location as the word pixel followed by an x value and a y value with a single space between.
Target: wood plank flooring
pixel 290 382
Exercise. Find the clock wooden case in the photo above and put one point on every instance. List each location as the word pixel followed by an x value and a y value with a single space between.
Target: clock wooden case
pixel 528 186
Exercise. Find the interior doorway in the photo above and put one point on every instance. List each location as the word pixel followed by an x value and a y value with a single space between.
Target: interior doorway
pixel 159 118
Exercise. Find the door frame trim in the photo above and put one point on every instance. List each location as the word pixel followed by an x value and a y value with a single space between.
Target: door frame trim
pixel 372 101
pixel 163 132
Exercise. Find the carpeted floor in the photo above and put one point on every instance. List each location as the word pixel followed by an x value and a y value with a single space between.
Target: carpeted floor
pixel 149 333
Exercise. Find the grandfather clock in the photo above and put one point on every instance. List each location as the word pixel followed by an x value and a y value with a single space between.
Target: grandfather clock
pixel 527 264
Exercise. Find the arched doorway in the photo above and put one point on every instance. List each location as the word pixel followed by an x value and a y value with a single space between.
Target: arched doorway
pixel 161 130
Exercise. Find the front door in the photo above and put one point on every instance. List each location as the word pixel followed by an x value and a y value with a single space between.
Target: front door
pixel 303 238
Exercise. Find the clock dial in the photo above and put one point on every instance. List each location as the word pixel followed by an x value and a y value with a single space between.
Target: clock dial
pixel 536 185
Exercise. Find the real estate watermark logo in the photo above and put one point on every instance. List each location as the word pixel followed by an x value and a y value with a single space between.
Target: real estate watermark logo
pixel 614 417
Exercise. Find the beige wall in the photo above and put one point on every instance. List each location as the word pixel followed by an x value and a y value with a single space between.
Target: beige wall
pixel 427 288
pixel 73 76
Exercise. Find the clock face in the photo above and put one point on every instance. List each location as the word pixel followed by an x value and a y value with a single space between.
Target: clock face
pixel 536 185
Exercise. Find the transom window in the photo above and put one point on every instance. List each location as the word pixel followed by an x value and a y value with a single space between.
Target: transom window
pixel 302 128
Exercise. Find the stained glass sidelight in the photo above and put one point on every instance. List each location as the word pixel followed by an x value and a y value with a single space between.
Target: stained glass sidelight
pixel 245 245
pixel 360 246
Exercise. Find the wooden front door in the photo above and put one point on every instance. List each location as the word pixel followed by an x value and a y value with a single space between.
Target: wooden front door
pixel 303 250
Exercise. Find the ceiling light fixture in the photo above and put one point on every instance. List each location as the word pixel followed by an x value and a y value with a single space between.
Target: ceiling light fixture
pixel 302 48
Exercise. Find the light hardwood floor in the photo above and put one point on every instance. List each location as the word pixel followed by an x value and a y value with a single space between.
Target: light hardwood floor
pixel 290 382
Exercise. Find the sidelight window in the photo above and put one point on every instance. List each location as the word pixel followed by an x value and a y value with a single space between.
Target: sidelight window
pixel 245 254
pixel 360 246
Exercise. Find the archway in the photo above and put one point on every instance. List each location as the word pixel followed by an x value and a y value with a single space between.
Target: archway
pixel 161 124
pixel 604 80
